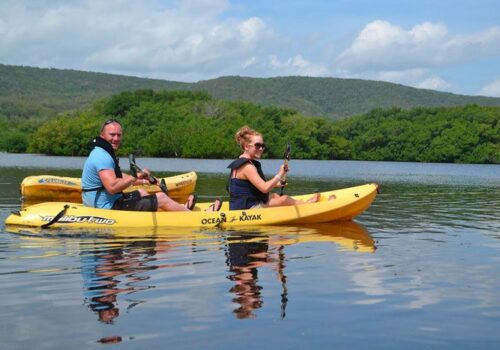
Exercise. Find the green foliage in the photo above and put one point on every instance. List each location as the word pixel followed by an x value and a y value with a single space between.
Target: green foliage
pixel 16 142
pixel 195 125
pixel 65 135
pixel 469 134
pixel 15 132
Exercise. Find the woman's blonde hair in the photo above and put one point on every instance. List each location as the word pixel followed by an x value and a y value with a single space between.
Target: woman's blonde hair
pixel 244 135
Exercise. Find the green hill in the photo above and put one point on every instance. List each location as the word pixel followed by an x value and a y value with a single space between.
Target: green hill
pixel 35 92
pixel 332 97
pixel 28 91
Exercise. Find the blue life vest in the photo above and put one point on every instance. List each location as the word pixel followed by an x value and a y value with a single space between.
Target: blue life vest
pixel 242 193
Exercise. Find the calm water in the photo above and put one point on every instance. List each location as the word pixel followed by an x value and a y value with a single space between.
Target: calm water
pixel 419 270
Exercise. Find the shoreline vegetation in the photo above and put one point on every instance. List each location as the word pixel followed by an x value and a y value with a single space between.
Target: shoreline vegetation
pixel 187 124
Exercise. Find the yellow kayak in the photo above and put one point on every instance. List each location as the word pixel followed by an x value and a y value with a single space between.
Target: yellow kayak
pixel 336 205
pixel 49 188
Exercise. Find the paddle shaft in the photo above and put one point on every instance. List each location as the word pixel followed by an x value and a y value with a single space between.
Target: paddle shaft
pixel 151 178
pixel 286 157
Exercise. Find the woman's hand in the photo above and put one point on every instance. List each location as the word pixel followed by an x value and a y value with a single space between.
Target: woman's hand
pixel 283 170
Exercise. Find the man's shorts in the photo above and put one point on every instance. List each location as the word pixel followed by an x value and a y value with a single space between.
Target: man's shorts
pixel 134 201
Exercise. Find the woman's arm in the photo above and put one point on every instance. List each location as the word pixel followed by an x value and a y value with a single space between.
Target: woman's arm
pixel 249 172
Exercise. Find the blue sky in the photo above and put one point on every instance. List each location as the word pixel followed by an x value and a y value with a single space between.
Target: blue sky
pixel 443 45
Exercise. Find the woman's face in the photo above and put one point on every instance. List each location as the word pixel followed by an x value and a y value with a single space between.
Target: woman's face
pixel 255 147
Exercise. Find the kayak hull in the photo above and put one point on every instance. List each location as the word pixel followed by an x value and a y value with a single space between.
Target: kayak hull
pixel 336 205
pixel 49 188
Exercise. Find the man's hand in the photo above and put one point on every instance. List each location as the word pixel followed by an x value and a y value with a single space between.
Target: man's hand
pixel 146 174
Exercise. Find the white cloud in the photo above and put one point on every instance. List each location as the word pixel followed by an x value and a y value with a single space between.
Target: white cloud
pixel 434 83
pixel 249 62
pixel 384 46
pixel 181 40
pixel 126 36
pixel 202 7
pixel 421 78
pixel 298 66
pixel 492 89
pixel 408 76
pixel 251 29
pixel 190 40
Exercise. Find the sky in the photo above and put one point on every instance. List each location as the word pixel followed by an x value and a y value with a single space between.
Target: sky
pixel 443 45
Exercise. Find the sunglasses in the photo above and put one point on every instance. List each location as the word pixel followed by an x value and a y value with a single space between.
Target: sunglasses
pixel 110 121
pixel 259 145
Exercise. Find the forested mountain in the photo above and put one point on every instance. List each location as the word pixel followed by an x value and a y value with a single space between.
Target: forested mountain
pixel 42 92
pixel 37 92
pixel 332 97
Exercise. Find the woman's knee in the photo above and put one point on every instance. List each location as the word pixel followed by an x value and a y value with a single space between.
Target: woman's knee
pixel 281 201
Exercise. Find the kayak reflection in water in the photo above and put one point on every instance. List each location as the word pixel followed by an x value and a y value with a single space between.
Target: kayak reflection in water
pixel 244 255
pixel 103 270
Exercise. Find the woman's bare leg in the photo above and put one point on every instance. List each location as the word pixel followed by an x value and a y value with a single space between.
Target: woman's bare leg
pixel 281 201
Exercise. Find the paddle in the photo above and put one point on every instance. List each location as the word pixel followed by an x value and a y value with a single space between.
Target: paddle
pixel 134 169
pixel 282 278
pixel 286 157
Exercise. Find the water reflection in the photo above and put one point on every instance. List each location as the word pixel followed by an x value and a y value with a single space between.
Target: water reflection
pixel 111 270
pixel 249 251
pixel 245 254
pixel 116 263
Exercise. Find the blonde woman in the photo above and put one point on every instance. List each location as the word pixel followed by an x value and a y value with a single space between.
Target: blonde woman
pixel 248 187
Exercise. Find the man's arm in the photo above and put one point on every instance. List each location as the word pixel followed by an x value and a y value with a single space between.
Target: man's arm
pixel 114 184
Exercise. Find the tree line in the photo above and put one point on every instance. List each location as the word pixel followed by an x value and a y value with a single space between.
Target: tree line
pixel 195 125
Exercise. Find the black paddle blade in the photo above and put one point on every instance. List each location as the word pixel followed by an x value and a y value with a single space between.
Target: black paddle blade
pixel 288 151
pixel 163 186
pixel 134 169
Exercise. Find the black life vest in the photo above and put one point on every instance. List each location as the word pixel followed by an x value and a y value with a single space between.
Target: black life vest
pixel 251 194
pixel 105 145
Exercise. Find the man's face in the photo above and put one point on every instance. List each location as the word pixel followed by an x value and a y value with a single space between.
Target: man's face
pixel 113 134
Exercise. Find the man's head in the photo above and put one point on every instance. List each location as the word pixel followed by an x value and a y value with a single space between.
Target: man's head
pixel 111 131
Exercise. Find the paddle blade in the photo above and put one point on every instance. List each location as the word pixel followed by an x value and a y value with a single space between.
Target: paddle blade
pixel 163 186
pixel 134 169
pixel 288 151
